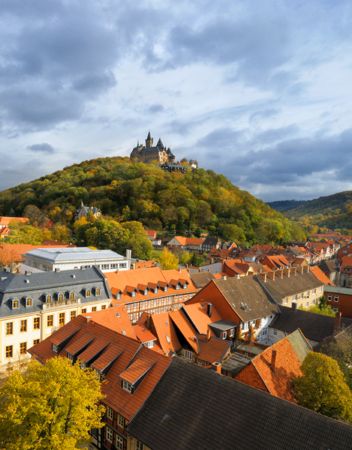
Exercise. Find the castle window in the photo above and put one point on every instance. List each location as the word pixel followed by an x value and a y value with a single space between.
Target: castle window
pixel 29 301
pixel 15 303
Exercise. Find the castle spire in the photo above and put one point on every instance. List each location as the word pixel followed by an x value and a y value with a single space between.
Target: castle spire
pixel 149 141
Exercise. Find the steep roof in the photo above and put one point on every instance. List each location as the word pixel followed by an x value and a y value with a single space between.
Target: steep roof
pixel 192 408
pixel 121 356
pixel 115 318
pixel 246 297
pixel 198 314
pixel 315 327
pixel 201 279
pixel 320 275
pixel 166 333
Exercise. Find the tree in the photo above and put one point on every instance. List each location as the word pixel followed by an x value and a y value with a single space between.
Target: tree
pixel 49 407
pixel 168 260
pixel 323 388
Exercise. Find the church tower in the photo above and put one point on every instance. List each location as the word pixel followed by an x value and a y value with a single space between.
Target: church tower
pixel 149 141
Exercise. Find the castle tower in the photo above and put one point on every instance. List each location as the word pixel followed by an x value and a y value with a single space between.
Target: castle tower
pixel 160 145
pixel 149 141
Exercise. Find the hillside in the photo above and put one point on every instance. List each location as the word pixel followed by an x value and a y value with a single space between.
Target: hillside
pixel 333 211
pixel 171 202
pixel 285 205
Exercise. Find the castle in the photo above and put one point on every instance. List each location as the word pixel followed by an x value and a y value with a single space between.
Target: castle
pixel 147 153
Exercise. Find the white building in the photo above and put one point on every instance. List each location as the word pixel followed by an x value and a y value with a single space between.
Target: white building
pixel 71 258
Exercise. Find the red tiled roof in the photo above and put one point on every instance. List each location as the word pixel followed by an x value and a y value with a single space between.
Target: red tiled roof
pixel 197 312
pixel 136 370
pixel 320 275
pixel 13 253
pixel 185 328
pixel 115 318
pixel 213 350
pixel 165 332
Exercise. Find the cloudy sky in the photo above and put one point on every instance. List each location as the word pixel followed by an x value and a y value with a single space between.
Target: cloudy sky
pixel 258 90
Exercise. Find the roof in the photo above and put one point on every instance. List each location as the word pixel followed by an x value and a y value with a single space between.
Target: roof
pixel 346 261
pixel 246 297
pixel 14 252
pixel 198 315
pixel 70 254
pixel 115 318
pixel 214 350
pixel 165 332
pixel 190 410
pixel 320 275
pixel 8 220
pixel 338 290
pixel 315 327
pixel 292 285
pixel 121 356
pixel 136 370
pixel 201 279
pixel 186 329
pixel 184 241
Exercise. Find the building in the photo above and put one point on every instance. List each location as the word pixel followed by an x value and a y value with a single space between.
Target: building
pixel 192 408
pixel 315 327
pixel 6 221
pixel 129 370
pixel 243 305
pixel 274 369
pixel 33 306
pixel 345 272
pixel 186 243
pixel 56 259
pixel 86 211
pixel 340 299
pixel 292 285
pixel 211 243
pixel 150 290
pixel 148 153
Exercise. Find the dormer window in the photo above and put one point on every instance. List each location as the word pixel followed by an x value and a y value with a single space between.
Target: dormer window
pixel 155 290
pixel 48 299
pixel 118 296
pixel 145 292
pixel 55 348
pixel 126 386
pixel 60 297
pixel 97 291
pixel 88 292
pixel 72 296
pixel 133 293
pixel 15 303
pixel 165 288
pixel 29 302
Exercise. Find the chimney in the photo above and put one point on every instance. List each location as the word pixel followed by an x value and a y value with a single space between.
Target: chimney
pixel 302 269
pixel 282 274
pixel 337 324
pixel 209 309
pixel 265 277
pixel 129 254
pixel 217 366
pixel 288 272
pixel 273 359
pixel 294 306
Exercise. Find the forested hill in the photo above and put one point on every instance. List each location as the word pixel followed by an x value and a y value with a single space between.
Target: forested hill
pixel 172 202
pixel 333 211
pixel 286 205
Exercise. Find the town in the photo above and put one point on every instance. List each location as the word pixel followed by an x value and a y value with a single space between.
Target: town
pixel 241 326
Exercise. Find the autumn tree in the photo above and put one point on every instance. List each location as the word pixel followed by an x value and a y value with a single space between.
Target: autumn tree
pixel 168 260
pixel 323 388
pixel 49 407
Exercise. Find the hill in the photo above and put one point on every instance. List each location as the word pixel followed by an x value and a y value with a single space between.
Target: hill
pixel 197 201
pixel 285 205
pixel 332 211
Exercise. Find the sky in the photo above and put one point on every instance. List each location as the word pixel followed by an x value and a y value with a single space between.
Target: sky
pixel 260 91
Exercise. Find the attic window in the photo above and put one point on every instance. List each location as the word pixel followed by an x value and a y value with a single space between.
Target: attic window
pixel 118 295
pixel 72 296
pixel 145 292
pixel 15 303
pixel 48 298
pixel 126 386
pixel 29 301
pixel 55 348
pixel 97 291
pixel 88 293
pixel 155 290
pixel 165 288
pixel 133 293
pixel 60 297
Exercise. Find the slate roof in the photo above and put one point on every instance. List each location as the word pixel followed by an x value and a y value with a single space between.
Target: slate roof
pixel 287 286
pixel 246 297
pixel 201 279
pixel 315 327
pixel 196 409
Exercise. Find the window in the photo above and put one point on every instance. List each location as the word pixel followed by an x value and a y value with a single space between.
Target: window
pixel 23 326
pixel 126 386
pixel 84 310
pixel 15 303
pixel 56 348
pixel 139 445
pixel 329 297
pixel 48 299
pixel 23 348
pixel 105 266
pixel 94 308
pixel 61 319
pixel 36 323
pixel 29 301
pixel 36 341
pixel 73 314
pixel 88 293
pixel 9 351
pixel 103 306
pixel 224 335
pixel 50 320
pixel 119 442
pixel 109 413
pixel 121 421
pixel 9 328
pixel 336 299
pixel 60 297
pixel 97 291
pixel 109 434
pixel 72 296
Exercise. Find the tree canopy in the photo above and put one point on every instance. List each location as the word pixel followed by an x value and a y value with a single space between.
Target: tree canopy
pixel 49 407
pixel 323 387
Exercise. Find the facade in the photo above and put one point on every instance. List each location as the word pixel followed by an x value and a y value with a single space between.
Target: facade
pixel 150 290
pixel 340 299
pixel 56 259
pixel 186 243
pixel 148 153
pixel 345 272
pixel 211 243
pixel 33 306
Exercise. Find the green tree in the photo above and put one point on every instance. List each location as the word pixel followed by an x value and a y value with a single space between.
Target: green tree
pixel 49 407
pixel 168 260
pixel 323 388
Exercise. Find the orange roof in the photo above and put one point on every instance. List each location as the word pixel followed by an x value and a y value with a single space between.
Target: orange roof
pixel 136 370
pixel 7 220
pixel 346 261
pixel 142 332
pixel 144 264
pixel 117 358
pixel 320 275
pixel 185 328
pixel 165 332
pixel 13 253
pixel 197 313
pixel 115 318
pixel 213 350
pixel 182 240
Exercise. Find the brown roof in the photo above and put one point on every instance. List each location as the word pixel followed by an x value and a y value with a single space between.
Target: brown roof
pixel 246 297
pixel 136 370
pixel 213 350
pixel 119 354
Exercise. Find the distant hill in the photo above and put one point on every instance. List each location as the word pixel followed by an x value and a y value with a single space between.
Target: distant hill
pixel 190 203
pixel 286 205
pixel 333 211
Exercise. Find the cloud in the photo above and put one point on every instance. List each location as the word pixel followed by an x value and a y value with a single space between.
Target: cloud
pixel 42 148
